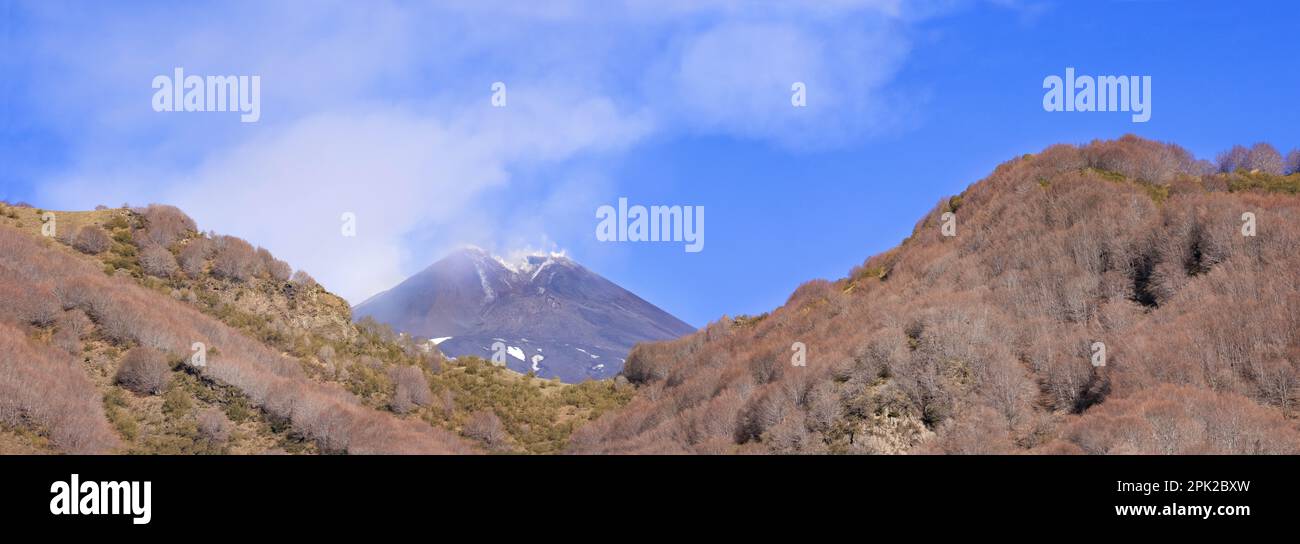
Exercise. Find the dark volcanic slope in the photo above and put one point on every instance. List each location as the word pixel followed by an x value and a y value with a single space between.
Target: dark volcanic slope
pixel 555 317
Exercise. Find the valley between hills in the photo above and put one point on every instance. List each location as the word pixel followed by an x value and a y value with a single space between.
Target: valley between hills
pixel 131 331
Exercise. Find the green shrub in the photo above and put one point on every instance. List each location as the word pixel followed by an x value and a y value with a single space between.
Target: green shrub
pixel 239 410
pixel 115 410
pixel 117 222
pixel 176 402
pixel 1258 181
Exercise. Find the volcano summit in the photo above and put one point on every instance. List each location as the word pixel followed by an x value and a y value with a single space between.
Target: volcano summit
pixel 555 317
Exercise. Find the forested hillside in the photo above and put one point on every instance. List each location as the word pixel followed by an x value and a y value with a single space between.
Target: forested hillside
pixel 985 341
pixel 101 314
pixel 1118 297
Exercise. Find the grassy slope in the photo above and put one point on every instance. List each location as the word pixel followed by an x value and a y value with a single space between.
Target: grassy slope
pixel 313 326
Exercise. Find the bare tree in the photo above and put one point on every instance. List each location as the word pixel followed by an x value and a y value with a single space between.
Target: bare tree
pixel 65 406
pixel 165 225
pixel 270 266
pixel 643 366
pixel 1006 389
pixel 26 304
pixel 767 368
pixel 824 407
pixel 988 339
pixel 279 270
pixel 143 370
pixel 213 426
pixel 234 259
pixel 412 389
pixel 71 327
pixel 1229 161
pixel 1265 158
pixel 485 426
pixel 194 257
pixel 47 391
pixel 93 240
pixel 303 279
pixel 157 261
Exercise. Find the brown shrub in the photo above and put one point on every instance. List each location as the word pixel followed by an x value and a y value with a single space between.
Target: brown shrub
pixel 763 412
pixel 1233 159
pixel 157 261
pixel 485 426
pixel 194 257
pixel 213 426
pixel 1146 160
pixel 130 314
pixel 641 367
pixel 1265 158
pixel 986 336
pixel 767 368
pixel 70 327
pixel 1171 419
pixel 273 268
pixel 234 259
pixel 979 432
pixel 33 304
pixel 164 225
pixel 92 239
pixel 789 436
pixel 143 370
pixel 279 270
pixel 824 407
pixel 412 389
pixel 302 279
pixel 44 389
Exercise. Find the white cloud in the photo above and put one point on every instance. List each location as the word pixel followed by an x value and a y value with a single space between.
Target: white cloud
pixel 382 109
pixel 398 170
pixel 737 78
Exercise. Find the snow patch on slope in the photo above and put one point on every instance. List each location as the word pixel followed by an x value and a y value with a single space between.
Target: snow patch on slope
pixel 482 279
pixel 523 261
pixel 515 352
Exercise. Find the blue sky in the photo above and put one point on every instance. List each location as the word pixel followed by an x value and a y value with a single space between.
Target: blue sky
pixel 383 109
